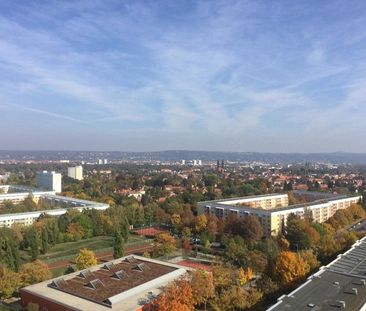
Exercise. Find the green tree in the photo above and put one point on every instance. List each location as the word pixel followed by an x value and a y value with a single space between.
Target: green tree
pixel 118 246
pixel 11 253
pixel 33 243
pixel 296 232
pixel 44 240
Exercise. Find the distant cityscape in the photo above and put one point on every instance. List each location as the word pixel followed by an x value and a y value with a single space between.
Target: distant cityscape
pixel 177 156
pixel 90 220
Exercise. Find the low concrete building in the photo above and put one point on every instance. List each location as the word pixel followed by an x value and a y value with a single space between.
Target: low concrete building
pixel 341 285
pixel 125 284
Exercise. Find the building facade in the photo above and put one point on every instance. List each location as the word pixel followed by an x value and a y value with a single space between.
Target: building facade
pixel 61 204
pixel 272 210
pixel 75 172
pixel 51 181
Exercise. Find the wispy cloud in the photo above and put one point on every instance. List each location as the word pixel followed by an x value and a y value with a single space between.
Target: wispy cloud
pixel 221 69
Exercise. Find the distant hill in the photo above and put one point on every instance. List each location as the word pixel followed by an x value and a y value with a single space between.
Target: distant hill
pixel 177 155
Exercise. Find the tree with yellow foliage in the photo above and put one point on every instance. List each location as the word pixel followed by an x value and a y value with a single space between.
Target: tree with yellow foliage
pixel 85 259
pixel 176 221
pixel 310 258
pixel 202 287
pixel 201 223
pixel 290 267
pixel 245 275
pixel 34 272
pixel 9 282
pixel 164 244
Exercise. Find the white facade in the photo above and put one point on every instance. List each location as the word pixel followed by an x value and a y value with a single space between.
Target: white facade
pixel 51 181
pixel 27 218
pixel 75 172
pixel 273 209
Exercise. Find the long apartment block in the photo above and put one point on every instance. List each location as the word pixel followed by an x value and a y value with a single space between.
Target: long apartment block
pixel 59 203
pixel 273 209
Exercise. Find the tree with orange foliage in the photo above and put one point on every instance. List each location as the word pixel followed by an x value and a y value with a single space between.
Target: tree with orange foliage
pixel 202 287
pixel 74 231
pixel 177 296
pixel 290 267
pixel 212 225
pixel 186 245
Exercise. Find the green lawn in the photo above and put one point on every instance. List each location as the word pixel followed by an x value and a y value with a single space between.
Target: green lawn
pixel 56 272
pixel 72 248
pixel 68 250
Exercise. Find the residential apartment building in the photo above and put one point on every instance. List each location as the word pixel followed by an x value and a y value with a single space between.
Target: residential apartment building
pixel 75 172
pixel 49 180
pixel 272 210
pixel 60 204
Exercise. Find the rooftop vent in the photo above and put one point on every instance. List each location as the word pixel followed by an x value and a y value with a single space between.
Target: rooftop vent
pixel 341 304
pixel 361 282
pixel 108 266
pixel 141 267
pixel 336 283
pixel 86 274
pixel 120 275
pixel 59 283
pixel 130 259
pixel 352 291
pixel 95 284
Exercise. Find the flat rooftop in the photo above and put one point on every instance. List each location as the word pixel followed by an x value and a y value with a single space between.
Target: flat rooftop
pixel 121 284
pixel 15 192
pixel 341 285
pixel 111 279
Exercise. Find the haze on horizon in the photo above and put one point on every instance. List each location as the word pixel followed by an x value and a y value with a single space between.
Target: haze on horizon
pixel 265 76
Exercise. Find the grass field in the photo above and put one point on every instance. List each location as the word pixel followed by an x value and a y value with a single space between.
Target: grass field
pixel 69 250
pixel 59 251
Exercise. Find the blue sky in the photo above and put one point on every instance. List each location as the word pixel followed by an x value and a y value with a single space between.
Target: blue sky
pixel 278 76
